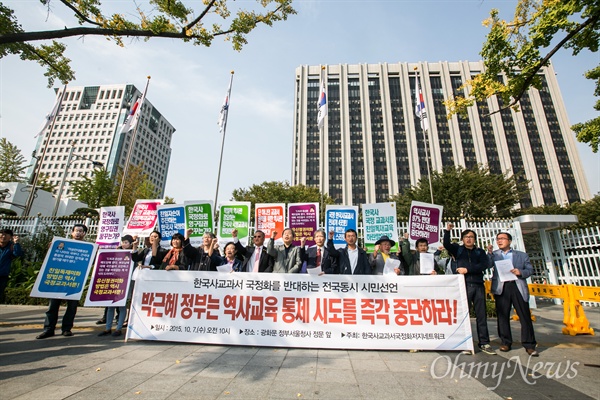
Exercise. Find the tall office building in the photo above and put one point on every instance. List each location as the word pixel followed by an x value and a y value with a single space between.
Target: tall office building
pixel 90 119
pixel 373 145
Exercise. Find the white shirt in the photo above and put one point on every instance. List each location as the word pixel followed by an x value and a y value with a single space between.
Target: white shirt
pixel 353 257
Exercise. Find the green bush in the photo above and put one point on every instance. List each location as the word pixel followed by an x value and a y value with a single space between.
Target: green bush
pixel 490 309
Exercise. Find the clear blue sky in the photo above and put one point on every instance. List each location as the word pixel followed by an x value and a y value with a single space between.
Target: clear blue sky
pixel 189 83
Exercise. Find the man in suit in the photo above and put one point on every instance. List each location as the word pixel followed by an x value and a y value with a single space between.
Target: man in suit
pixel 255 257
pixel 380 255
pixel 352 260
pixel 317 255
pixel 512 293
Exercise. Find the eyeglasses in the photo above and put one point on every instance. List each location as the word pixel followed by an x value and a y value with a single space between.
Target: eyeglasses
pixel 502 238
pixel 257 236
pixel 469 237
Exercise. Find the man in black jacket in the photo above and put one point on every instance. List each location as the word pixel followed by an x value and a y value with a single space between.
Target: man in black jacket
pixel 472 262
pixel 352 260
pixel 255 257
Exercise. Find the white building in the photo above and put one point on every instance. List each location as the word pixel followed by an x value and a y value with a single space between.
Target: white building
pixel 90 119
pixel 13 196
pixel 373 145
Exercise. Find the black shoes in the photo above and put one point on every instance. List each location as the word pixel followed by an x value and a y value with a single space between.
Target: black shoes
pixel 117 333
pixel 101 321
pixel 67 333
pixel 104 333
pixel 44 335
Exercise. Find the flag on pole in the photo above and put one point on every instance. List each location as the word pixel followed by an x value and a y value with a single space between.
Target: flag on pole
pixel 52 114
pixel 420 106
pixel 322 106
pixel 133 116
pixel 224 110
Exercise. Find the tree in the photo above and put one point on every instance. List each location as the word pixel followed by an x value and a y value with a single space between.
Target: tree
pixel 44 183
pixel 95 191
pixel 137 186
pixel 589 131
pixel 514 49
pixel 11 162
pixel 282 192
pixel 470 193
pixel 166 19
pixel 170 200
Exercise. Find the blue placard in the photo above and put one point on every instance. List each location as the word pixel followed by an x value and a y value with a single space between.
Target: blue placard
pixel 339 220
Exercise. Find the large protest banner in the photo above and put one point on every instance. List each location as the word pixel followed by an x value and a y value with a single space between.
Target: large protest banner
pixel 339 219
pixel 199 217
pixel 269 218
pixel 110 226
pixel 379 219
pixel 297 310
pixel 234 215
pixel 65 269
pixel 111 278
pixel 303 218
pixel 143 218
pixel 171 220
pixel 424 222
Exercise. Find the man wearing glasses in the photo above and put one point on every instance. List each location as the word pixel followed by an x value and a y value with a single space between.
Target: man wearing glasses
pixel 471 261
pixel 512 293
pixel 255 257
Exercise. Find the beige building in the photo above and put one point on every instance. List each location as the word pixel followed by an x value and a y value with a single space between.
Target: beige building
pixel 374 147
pixel 92 117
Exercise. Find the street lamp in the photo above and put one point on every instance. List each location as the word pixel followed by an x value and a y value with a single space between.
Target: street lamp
pixel 66 171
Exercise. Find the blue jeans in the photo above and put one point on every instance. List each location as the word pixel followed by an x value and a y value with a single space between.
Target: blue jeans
pixel 110 314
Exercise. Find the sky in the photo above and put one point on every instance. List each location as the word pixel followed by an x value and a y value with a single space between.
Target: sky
pixel 188 83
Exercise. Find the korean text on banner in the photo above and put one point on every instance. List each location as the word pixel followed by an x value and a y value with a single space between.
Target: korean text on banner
pixel 339 219
pixel 110 226
pixel 199 218
pixel 143 218
pixel 234 215
pixel 298 310
pixel 269 218
pixel 65 269
pixel 110 279
pixel 304 220
pixel 379 219
pixel 171 220
pixel 424 222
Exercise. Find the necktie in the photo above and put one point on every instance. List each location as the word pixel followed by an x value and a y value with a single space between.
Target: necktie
pixel 256 259
pixel 318 256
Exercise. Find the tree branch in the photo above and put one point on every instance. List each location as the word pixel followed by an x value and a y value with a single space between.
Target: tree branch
pixel 199 18
pixel 23 37
pixel 516 98
pixel 79 13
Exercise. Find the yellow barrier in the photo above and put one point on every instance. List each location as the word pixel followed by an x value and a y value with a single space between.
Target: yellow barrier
pixel 576 323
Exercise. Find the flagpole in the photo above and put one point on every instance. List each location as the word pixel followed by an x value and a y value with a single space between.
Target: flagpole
pixel 321 155
pixel 130 151
pixel 224 128
pixel 425 129
pixel 37 170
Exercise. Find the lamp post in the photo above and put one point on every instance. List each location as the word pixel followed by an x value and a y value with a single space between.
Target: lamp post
pixel 66 171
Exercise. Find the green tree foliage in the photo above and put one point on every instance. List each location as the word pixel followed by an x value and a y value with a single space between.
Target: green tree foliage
pixel 170 200
pixel 589 131
pixel 11 162
pixel 469 193
pixel 137 186
pixel 518 49
pixel 282 192
pixel 44 183
pixel 97 190
pixel 587 212
pixel 191 21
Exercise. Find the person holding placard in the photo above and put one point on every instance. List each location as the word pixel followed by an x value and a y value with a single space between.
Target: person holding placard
pixel 421 262
pixel 350 260
pixel 509 286
pixel 77 233
pixel 472 261
pixel 205 257
pixel 383 262
pixel 152 254
pixel 230 259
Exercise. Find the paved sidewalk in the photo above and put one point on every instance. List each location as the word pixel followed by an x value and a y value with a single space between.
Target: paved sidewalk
pixel 88 367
